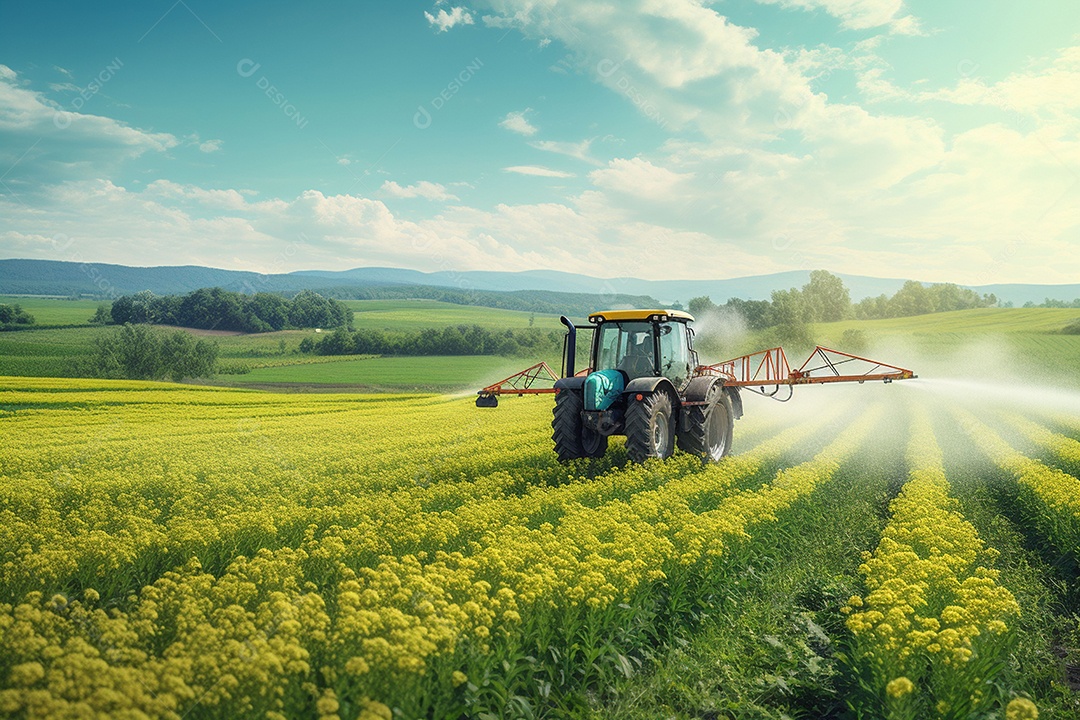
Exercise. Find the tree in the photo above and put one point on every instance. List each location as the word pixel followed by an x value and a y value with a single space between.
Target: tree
pixel 102 315
pixel 788 308
pixel 15 315
pixel 134 309
pixel 755 312
pixel 911 299
pixel 701 306
pixel 872 308
pixel 310 309
pixel 271 309
pixel 825 298
pixel 142 352
pixel 184 357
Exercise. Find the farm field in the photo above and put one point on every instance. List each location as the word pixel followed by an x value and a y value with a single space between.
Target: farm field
pixel 999 342
pixel 900 551
pixel 416 314
pixel 54 311
pixel 430 374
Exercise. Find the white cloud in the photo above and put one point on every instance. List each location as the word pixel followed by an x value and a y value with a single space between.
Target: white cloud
pixel 517 122
pixel 1050 90
pixel 422 189
pixel 861 14
pixel 444 20
pixel 538 170
pixel 41 140
pixel 211 146
pixel 578 151
pixel 640 178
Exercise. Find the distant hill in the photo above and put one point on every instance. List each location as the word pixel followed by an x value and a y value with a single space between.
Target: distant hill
pixel 49 277
pixel 754 287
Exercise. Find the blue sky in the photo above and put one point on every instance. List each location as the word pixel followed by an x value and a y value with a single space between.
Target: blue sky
pixel 650 138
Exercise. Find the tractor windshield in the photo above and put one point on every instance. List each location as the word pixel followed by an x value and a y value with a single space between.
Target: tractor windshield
pixel 676 363
pixel 626 346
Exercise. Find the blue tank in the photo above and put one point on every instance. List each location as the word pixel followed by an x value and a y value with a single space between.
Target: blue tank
pixel 602 388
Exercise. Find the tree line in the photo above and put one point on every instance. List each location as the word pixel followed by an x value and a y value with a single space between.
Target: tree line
pixel 826 299
pixel 218 309
pixel 450 340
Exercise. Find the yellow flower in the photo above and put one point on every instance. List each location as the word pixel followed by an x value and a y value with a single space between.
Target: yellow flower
pixel 27 674
pixel 899 687
pixel 1021 709
pixel 327 704
pixel 459 678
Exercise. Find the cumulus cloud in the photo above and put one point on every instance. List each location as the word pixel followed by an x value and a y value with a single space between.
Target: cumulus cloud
pixel 537 170
pixel 423 189
pixel 444 20
pixel 517 122
pixel 211 146
pixel 640 178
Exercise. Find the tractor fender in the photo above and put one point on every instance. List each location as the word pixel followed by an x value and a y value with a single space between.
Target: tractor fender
pixel 571 383
pixel 652 384
pixel 736 401
pixel 698 390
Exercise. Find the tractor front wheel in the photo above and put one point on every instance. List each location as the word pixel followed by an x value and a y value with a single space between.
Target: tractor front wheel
pixel 709 427
pixel 572 439
pixel 650 427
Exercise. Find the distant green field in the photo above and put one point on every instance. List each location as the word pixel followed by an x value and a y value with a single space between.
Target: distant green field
pixel 413 314
pixel 397 373
pixel 988 342
pixel 55 311
pixel 46 352
pixel 994 320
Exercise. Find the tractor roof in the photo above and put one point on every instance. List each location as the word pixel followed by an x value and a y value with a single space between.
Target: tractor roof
pixel 614 315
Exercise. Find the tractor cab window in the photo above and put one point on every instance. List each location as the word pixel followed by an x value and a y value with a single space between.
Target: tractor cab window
pixel 675 360
pixel 626 346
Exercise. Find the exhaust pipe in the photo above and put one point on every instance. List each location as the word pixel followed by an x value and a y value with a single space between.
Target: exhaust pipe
pixel 571 346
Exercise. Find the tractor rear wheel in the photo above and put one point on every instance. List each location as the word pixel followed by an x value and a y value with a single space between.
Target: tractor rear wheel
pixel 709 428
pixel 572 439
pixel 650 427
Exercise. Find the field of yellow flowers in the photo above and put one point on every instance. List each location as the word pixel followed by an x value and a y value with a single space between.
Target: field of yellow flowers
pixel 171 551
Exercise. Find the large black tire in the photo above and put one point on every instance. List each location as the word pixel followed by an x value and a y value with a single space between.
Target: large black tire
pixel 572 439
pixel 709 428
pixel 650 426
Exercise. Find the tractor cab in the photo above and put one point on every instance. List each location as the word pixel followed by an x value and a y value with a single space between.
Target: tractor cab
pixel 644 343
pixel 632 344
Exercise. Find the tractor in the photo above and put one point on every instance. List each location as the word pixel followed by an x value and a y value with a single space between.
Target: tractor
pixel 642 384
pixel 644 381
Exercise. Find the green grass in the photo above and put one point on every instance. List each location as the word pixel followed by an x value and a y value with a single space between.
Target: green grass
pixel 45 353
pixel 984 320
pixel 415 314
pixel 396 373
pixel 55 311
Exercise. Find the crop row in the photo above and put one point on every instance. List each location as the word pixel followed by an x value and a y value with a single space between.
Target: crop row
pixel 438 609
pixel 1049 497
pixel 932 632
